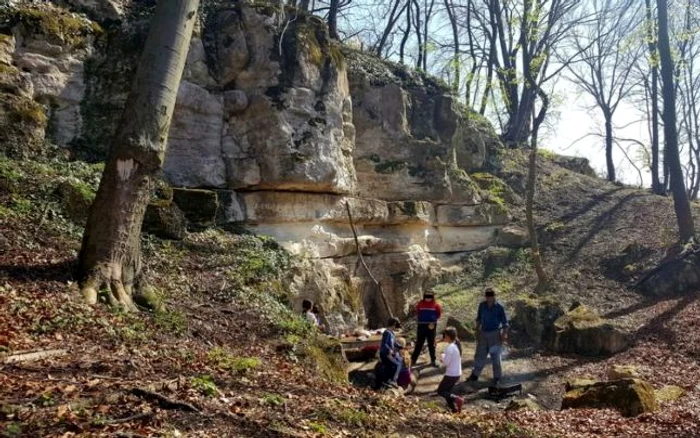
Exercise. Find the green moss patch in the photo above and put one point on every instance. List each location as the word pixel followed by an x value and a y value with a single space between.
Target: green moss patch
pixel 57 25
pixel 631 397
pixel 497 190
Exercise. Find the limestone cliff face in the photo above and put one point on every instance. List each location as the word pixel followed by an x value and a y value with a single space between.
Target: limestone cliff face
pixel 277 128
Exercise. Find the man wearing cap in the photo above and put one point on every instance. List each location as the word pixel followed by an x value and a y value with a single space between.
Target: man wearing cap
pixel 492 332
pixel 428 312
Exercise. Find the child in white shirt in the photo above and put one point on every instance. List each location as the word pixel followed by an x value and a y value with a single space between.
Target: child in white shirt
pixel 452 358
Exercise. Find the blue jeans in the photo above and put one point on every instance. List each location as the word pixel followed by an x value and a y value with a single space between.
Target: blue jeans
pixel 488 344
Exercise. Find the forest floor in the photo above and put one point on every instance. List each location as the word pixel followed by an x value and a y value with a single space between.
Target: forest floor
pixel 228 358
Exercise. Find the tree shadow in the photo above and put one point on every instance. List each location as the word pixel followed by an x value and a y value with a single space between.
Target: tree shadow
pixel 597 225
pixel 60 271
pixel 597 199
pixel 656 328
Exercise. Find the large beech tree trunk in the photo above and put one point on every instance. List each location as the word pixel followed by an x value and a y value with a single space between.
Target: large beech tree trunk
pixel 686 227
pixel 111 251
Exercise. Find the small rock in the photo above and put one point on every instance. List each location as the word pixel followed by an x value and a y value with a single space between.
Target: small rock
pixel 523 404
pixel 199 206
pixel 513 236
pixel 76 198
pixel 235 101
pixel 165 220
pixel 618 372
pixel 463 332
pixel 630 396
pixel 497 258
pixel 669 393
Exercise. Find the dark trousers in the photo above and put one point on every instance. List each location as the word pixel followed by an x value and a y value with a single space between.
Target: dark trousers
pixel 385 371
pixel 425 333
pixel 445 390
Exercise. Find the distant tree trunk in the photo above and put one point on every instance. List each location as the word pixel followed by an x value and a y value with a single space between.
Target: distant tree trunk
pixel 686 227
pixel 419 35
pixel 543 279
pixel 456 64
pixel 656 186
pixel 394 16
pixel 333 19
pixel 609 147
pixel 428 10
pixel 111 250
pixel 406 34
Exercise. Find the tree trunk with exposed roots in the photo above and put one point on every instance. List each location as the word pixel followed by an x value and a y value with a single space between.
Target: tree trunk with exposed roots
pixel 111 252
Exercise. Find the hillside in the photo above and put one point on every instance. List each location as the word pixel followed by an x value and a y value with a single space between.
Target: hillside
pixel 252 376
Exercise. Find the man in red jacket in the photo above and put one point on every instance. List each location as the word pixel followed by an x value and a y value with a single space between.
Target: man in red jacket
pixel 428 312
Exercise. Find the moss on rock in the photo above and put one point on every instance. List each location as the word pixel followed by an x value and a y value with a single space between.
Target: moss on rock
pixel 582 331
pixel 164 219
pixel 497 191
pixel 76 198
pixel 57 25
pixel 537 316
pixel 631 397
pixel 669 393
pixel 326 356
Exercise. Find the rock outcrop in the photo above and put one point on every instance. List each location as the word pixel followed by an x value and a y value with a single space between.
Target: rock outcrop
pixel 536 318
pixel 280 130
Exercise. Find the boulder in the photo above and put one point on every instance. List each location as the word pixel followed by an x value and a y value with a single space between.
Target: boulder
pixel 76 198
pixel 582 331
pixel 513 236
pixel 675 277
pixel 496 258
pixel 618 372
pixel 630 396
pixel 669 393
pixel 165 220
pixel 102 9
pixel 193 156
pixel 575 164
pixel 523 404
pixel 580 382
pixel 199 206
pixel 536 317
pixel 464 331
pixel 285 126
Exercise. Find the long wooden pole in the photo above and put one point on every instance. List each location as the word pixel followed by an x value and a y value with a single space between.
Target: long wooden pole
pixel 364 264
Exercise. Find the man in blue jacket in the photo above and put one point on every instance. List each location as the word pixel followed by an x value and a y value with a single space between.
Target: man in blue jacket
pixel 492 332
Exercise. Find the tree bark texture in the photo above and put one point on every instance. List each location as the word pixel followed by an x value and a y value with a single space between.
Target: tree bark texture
pixel 686 227
pixel 656 185
pixel 609 148
pixel 111 252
